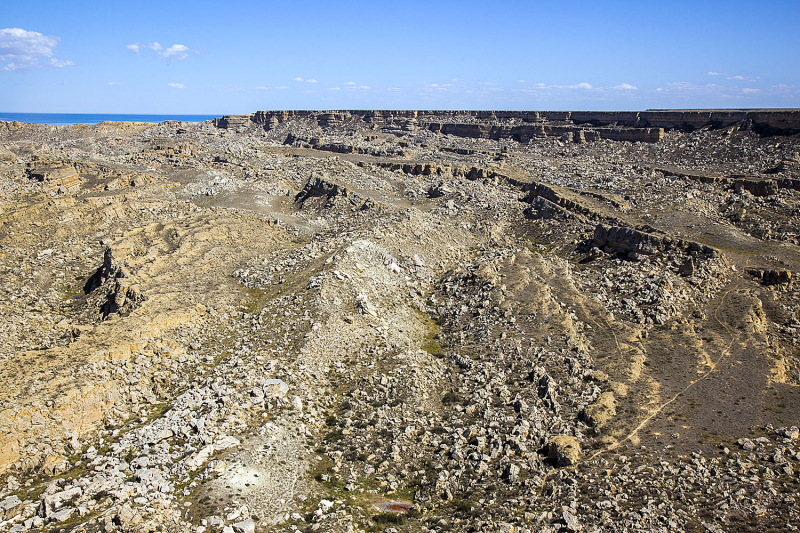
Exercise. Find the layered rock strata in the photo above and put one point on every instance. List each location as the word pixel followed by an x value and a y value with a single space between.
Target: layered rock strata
pixel 643 126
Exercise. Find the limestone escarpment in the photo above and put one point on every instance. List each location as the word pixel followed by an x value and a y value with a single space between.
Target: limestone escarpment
pixel 639 126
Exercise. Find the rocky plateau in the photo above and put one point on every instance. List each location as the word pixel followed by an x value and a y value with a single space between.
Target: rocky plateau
pixel 384 321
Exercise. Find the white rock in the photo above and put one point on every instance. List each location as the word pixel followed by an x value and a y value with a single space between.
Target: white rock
pixel 245 526
pixel 63 515
pixel 198 459
pixel 10 502
pixel 56 500
pixel 275 388
pixel 297 403
pixel 226 442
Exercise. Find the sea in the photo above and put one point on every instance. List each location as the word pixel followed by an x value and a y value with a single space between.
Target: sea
pixel 66 119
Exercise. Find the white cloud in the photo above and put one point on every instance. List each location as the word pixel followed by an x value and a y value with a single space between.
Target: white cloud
pixel 521 81
pixel 282 87
pixel 114 83
pixel 334 89
pixel 135 47
pixel 177 52
pixel 680 86
pixel 685 85
pixel 18 42
pixel 393 89
pixel 350 83
pixel 262 88
pixel 297 79
pixel 457 79
pixel 579 90
pixel 712 73
pixel 177 85
pixel 686 91
pixel 57 63
pixel 20 50
pixel 741 78
pixel 312 80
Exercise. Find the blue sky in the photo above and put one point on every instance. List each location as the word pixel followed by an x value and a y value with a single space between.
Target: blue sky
pixel 238 57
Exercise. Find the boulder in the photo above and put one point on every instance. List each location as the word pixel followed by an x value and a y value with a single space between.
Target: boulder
pixel 600 412
pixel 275 388
pixel 54 464
pixel 563 450
pixel 10 507
pixel 771 276
pixel 56 501
pixel 571 521
pixel 245 526
pixel 62 515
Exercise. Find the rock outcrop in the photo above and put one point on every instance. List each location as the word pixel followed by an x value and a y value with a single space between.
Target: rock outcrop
pixel 563 450
pixel 322 187
pixel 55 177
pixel 616 239
pixel 771 276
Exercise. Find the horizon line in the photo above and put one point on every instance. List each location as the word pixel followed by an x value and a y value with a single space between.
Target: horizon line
pixel 411 109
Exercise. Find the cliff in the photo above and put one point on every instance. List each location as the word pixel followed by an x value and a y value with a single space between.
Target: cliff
pixel 570 126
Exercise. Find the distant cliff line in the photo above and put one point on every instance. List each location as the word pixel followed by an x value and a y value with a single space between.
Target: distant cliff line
pixel 647 126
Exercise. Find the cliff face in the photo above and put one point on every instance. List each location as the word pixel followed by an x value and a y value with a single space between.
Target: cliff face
pixel 578 126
